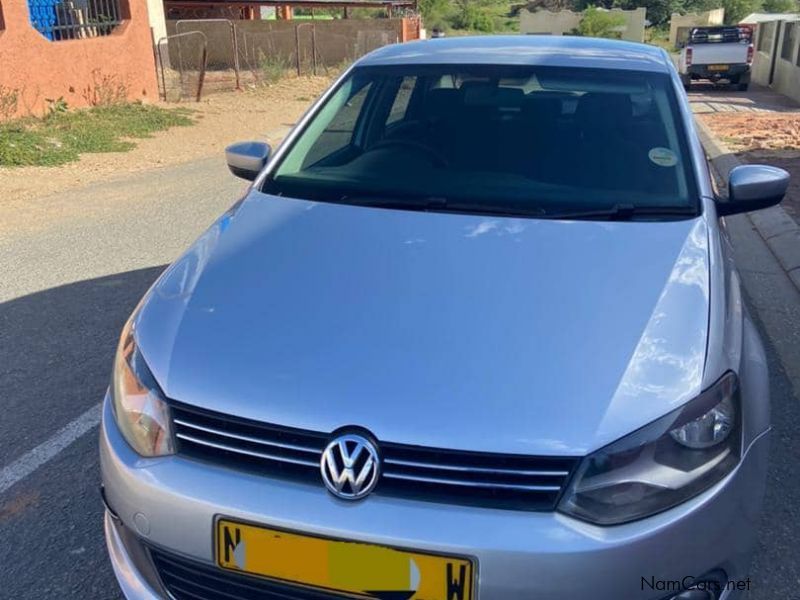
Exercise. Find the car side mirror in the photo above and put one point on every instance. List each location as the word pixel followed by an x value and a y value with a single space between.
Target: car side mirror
pixel 752 187
pixel 246 159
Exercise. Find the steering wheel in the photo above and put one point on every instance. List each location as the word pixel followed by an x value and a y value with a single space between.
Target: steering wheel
pixel 439 159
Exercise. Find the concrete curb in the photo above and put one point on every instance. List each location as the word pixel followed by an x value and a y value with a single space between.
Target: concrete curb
pixel 778 230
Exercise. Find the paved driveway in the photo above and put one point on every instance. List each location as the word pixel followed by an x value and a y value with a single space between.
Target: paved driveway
pixel 710 98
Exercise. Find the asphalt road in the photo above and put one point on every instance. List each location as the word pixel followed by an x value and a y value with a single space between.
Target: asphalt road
pixel 66 289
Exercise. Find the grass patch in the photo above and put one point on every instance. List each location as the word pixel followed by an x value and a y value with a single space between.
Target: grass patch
pixel 665 44
pixel 659 36
pixel 273 67
pixel 62 137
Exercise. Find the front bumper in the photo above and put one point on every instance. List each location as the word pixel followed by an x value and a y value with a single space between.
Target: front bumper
pixel 172 502
pixel 131 574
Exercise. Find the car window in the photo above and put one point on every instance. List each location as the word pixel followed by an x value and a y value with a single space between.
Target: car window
pixel 720 35
pixel 506 138
pixel 401 100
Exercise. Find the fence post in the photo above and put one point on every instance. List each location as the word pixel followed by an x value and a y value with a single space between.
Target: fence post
pixel 202 77
pixel 180 63
pixel 314 48
pixel 297 47
pixel 160 45
pixel 161 64
pixel 235 43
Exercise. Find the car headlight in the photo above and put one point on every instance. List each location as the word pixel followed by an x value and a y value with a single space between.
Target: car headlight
pixel 139 408
pixel 662 464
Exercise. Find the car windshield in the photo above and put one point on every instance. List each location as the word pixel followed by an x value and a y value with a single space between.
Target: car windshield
pixel 502 139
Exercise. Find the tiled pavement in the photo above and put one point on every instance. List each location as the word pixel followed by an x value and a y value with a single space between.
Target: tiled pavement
pixel 709 98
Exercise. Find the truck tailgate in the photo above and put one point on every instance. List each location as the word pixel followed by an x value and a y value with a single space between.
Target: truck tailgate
pixel 719 54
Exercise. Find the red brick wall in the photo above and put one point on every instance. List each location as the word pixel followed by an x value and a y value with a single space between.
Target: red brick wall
pixel 74 69
pixel 411 27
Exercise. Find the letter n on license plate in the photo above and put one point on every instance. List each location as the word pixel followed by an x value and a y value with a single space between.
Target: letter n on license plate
pixel 336 565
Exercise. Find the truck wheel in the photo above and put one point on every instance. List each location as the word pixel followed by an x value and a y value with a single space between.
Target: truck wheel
pixel 742 87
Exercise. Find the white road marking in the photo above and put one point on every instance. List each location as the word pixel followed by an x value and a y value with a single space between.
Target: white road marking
pixel 49 449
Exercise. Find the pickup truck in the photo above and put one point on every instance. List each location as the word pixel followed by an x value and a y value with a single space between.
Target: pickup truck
pixel 716 53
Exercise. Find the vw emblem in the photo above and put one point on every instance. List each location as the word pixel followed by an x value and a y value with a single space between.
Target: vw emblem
pixel 350 466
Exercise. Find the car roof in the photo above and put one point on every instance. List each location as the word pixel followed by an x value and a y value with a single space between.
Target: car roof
pixel 534 50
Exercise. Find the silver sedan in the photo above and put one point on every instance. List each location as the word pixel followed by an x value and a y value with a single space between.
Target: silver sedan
pixel 473 333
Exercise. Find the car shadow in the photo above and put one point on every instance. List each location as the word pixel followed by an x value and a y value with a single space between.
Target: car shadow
pixel 56 349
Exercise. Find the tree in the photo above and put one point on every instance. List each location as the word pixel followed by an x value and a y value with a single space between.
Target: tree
pixel 658 11
pixel 736 10
pixel 434 12
pixel 600 23
pixel 477 15
pixel 534 5
pixel 699 6
pixel 780 6
pixel 581 5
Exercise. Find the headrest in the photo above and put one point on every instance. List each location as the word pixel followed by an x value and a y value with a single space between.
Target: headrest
pixel 542 109
pixel 442 101
pixel 483 93
pixel 604 111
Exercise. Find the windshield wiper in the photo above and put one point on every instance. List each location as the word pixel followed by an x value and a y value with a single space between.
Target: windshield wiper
pixel 393 201
pixel 440 204
pixel 625 212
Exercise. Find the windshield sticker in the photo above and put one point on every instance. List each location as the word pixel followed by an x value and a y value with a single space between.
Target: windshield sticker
pixel 663 157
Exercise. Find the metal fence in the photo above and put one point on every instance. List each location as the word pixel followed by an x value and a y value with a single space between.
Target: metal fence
pixel 227 55
pixel 304 50
pixel 182 60
pixel 223 62
pixel 74 19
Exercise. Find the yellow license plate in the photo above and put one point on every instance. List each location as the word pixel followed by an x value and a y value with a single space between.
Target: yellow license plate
pixel 717 67
pixel 363 570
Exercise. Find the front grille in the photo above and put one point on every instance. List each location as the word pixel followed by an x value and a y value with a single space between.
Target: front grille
pixel 509 481
pixel 187 579
pixel 267 449
pixel 474 478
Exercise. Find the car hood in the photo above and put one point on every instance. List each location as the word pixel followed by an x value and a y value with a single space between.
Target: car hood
pixel 468 332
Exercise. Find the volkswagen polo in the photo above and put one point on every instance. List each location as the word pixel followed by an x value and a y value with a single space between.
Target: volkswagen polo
pixel 473 333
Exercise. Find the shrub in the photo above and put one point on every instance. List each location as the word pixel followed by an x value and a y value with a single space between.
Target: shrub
pixel 272 66
pixel 9 101
pixel 601 23
pixel 105 89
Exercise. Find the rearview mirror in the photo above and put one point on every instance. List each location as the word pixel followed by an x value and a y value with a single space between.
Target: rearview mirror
pixel 246 159
pixel 752 187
